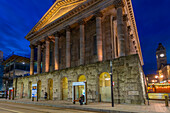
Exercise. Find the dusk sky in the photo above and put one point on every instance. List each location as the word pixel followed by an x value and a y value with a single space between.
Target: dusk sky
pixel 18 17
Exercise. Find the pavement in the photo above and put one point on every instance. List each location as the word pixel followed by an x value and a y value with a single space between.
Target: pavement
pixel 9 107
pixel 154 107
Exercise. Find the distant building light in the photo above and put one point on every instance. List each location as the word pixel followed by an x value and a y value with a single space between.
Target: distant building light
pixel 156 76
pixel 23 62
pixel 162 76
pixel 154 81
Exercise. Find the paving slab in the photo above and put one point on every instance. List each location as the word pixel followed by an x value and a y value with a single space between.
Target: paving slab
pixel 154 107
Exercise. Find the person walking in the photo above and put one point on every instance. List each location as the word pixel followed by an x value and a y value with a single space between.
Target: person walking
pixel 81 99
pixel 45 96
pixel 147 97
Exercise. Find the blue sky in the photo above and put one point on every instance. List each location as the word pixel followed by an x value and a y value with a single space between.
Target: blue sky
pixel 19 16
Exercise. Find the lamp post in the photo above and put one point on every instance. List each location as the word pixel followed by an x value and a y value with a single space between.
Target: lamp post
pixel 111 77
pixel 6 89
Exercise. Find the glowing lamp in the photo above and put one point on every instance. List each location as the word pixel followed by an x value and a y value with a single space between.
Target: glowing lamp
pixel 107 78
pixel 156 76
pixel 162 55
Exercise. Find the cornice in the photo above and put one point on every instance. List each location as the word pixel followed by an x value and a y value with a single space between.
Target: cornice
pixel 54 8
pixel 63 18
pixel 128 3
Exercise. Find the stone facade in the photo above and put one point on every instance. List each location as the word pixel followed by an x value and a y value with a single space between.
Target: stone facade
pixel 86 35
pixel 127 76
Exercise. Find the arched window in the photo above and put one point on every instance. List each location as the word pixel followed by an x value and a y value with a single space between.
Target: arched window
pixel 64 83
pixel 104 87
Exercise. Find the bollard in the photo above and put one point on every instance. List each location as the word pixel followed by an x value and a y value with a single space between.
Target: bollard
pixel 166 101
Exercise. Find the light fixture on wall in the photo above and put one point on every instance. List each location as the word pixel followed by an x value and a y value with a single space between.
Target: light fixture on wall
pixel 107 78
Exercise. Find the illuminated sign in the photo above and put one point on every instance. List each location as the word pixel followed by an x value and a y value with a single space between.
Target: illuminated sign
pixel 34 90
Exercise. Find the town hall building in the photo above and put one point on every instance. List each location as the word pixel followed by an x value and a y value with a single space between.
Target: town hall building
pixel 76 40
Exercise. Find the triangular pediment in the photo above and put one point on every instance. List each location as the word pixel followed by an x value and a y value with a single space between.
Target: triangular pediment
pixel 58 9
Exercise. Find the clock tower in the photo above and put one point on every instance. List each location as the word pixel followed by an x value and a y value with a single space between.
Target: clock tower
pixel 161 56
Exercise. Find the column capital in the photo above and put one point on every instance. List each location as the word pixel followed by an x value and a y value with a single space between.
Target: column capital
pixel 81 22
pixel 39 42
pixel 68 28
pixel 47 38
pixel 118 3
pixel 114 18
pixel 125 18
pixel 56 34
pixel 32 46
pixel 98 14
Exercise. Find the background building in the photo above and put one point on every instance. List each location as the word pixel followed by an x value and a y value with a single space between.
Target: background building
pixel 1 70
pixel 163 68
pixel 15 66
pixel 159 84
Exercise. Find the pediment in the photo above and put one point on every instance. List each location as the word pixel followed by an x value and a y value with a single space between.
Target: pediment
pixel 58 9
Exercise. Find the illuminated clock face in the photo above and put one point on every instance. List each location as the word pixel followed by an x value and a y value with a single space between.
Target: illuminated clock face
pixel 162 55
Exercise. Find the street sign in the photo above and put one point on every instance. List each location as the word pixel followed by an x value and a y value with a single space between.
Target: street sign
pixel 113 83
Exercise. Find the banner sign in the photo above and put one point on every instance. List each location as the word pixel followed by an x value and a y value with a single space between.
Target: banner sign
pixel 78 83
pixel 34 90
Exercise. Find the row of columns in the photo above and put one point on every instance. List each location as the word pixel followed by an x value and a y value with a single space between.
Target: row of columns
pixel 121 43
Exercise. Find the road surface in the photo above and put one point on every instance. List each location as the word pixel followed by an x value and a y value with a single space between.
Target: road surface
pixel 7 107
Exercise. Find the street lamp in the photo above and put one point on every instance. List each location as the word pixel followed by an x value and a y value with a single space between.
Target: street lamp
pixel 161 76
pixel 156 76
pixel 111 77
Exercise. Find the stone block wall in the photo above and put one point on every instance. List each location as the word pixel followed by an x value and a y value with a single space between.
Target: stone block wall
pixel 127 76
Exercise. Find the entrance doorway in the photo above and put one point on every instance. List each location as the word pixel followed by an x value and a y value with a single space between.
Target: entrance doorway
pixel 84 98
pixel 64 88
pixel 29 89
pixel 81 89
pixel 39 89
pixel 50 89
pixel 104 87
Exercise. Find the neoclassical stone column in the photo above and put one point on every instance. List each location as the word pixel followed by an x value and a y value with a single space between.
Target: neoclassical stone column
pixel 120 26
pixel 32 60
pixel 82 42
pixel 129 39
pixel 39 58
pixel 47 54
pixel 56 58
pixel 125 19
pixel 114 37
pixel 68 63
pixel 99 35
pixel 43 59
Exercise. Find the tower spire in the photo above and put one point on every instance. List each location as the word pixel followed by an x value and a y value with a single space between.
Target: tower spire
pixel 161 56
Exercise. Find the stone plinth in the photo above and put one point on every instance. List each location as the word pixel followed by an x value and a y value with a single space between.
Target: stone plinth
pixel 127 76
